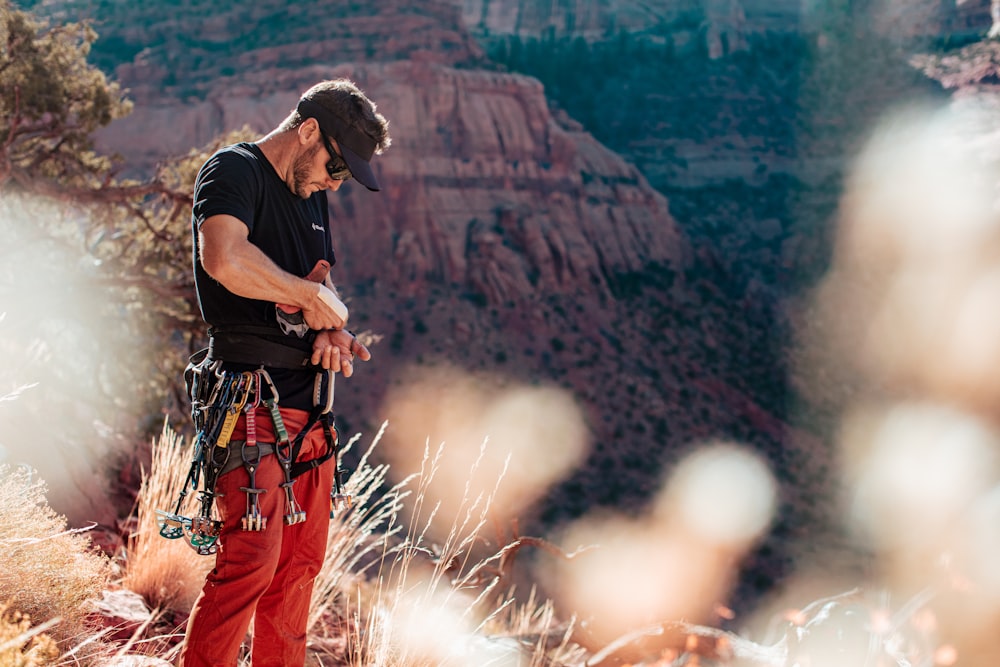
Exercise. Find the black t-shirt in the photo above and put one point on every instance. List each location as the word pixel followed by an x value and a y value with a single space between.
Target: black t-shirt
pixel 295 233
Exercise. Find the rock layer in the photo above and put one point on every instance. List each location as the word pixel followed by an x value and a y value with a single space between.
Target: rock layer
pixel 481 183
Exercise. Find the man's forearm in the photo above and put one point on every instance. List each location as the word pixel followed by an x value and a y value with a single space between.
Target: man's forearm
pixel 248 272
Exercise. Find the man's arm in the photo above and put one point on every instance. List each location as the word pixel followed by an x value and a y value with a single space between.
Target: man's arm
pixel 242 268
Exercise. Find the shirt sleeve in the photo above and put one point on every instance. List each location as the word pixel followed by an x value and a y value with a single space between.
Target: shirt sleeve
pixel 226 186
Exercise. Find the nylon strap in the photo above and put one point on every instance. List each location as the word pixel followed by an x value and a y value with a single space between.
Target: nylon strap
pixel 243 388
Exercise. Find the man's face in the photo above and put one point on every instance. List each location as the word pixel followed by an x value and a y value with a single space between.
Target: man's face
pixel 318 167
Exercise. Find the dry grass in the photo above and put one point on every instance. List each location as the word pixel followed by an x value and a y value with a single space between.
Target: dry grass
pixel 358 536
pixel 49 572
pixel 411 595
pixel 404 601
pixel 379 563
pixel 379 567
pixel 389 595
pixel 168 574
pixel 22 645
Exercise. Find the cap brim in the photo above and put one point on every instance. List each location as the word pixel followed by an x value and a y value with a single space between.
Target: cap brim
pixel 361 170
pixel 344 134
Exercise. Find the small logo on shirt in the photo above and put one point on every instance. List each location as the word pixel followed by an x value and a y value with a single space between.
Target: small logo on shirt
pixel 317 227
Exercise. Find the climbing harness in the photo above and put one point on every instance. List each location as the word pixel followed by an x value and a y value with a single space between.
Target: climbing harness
pixel 218 397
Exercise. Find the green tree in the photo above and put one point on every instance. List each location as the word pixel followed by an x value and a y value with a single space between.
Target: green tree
pixel 51 101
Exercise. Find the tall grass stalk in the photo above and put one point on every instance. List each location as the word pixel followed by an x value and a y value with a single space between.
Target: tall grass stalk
pixel 412 582
pixel 357 539
pixel 534 624
pixel 383 575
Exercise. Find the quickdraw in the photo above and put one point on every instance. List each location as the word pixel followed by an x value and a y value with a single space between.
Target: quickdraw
pixel 217 399
pixel 253 520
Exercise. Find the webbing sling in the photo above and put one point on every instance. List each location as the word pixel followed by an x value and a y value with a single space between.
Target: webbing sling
pixel 253 520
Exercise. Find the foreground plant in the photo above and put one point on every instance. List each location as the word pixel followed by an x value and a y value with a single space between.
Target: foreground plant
pixel 24 645
pixel 390 595
pixel 49 572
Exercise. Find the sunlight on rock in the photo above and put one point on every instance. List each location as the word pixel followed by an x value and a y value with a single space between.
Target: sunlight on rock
pixel 723 493
pixel 534 436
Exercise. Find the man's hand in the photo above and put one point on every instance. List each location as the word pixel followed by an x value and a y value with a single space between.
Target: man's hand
pixel 337 351
pixel 326 311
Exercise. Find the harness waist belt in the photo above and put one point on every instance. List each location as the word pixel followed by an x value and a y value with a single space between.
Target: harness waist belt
pixel 246 348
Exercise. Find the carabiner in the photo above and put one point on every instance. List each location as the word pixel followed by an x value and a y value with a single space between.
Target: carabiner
pixel 318 388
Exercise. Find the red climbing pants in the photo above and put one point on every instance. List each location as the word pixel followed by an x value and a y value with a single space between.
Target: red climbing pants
pixel 266 576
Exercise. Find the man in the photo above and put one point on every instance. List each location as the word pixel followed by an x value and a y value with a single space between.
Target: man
pixel 262 237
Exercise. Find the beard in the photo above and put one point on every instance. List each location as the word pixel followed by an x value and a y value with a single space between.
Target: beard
pixel 301 169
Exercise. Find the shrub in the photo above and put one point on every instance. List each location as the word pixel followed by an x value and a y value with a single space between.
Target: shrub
pixel 49 571
pixel 22 645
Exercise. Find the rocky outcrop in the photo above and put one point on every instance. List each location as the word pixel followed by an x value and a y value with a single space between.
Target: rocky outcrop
pixel 719 27
pixel 483 186
pixel 972 75
pixel 582 17
pixel 907 19
pixel 974 66
pixel 726 29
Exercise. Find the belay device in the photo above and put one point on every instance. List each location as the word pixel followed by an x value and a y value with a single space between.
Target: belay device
pixel 217 399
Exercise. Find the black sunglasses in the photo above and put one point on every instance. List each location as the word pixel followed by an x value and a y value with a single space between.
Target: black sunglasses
pixel 336 168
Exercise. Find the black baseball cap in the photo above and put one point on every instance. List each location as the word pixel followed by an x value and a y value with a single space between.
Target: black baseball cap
pixel 356 147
